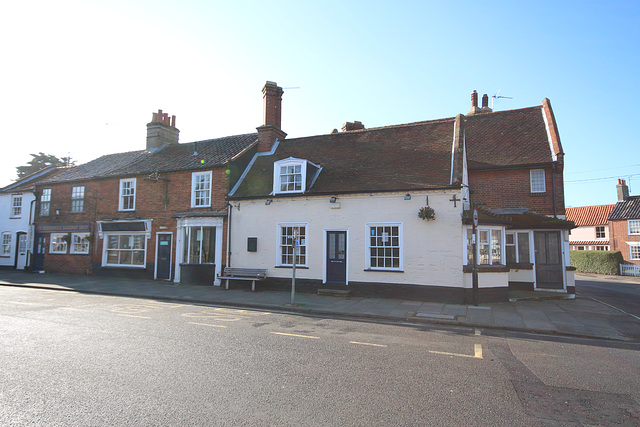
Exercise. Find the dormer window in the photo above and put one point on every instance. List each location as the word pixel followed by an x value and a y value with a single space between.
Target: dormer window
pixel 290 176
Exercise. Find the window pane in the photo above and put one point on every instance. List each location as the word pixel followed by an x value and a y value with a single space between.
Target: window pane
pixel 138 258
pixel 125 257
pixel 112 242
pixel 523 248
pixel 496 246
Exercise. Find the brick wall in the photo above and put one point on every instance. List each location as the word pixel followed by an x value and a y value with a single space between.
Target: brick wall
pixel 619 233
pixel 101 201
pixel 512 189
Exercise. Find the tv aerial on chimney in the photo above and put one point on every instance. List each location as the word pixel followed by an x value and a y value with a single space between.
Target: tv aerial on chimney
pixel 498 96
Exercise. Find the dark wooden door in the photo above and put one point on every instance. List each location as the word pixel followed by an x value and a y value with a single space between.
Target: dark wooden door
pixel 337 257
pixel 40 249
pixel 163 257
pixel 549 274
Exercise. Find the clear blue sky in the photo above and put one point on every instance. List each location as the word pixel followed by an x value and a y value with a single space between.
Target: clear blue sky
pixel 82 78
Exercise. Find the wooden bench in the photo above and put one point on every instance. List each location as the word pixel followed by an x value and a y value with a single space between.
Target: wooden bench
pixel 236 273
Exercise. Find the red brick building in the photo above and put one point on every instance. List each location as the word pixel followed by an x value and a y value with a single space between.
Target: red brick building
pixel 156 213
pixel 624 224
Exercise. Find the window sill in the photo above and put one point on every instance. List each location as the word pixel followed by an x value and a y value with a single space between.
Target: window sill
pixel 521 266
pixel 78 253
pixel 298 267
pixel 384 270
pixel 57 253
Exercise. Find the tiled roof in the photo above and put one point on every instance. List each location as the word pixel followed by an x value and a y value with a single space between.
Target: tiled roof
pixel 589 215
pixel 173 157
pixel 589 242
pixel 507 138
pixel 28 183
pixel 518 219
pixel 627 209
pixel 402 157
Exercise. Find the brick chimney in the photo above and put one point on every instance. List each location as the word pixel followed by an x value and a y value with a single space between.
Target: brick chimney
pixel 348 126
pixel 623 190
pixel 474 104
pixel 485 104
pixel 270 130
pixel 161 130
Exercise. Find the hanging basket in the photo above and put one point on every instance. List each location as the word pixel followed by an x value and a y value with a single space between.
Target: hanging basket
pixel 427 213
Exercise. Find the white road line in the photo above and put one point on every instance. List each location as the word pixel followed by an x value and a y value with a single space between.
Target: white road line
pixel 207 324
pixel 368 343
pixel 613 306
pixel 295 335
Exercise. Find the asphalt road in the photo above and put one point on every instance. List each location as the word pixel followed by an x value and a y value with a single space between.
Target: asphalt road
pixel 74 359
pixel 620 292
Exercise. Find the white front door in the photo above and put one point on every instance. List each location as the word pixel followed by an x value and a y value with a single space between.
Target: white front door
pixel 21 261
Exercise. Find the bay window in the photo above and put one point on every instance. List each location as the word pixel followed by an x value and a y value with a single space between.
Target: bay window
pixel 199 245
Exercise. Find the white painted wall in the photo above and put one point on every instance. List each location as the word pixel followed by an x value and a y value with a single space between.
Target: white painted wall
pixel 432 253
pixel 15 225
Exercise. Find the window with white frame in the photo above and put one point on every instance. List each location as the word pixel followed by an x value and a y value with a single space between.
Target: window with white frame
pixel 45 202
pixel 199 245
pixel 77 198
pixel 6 244
pixel 489 246
pixel 124 250
pixel 127 194
pixel 600 233
pixel 634 226
pixel 288 236
pixel 634 251
pixel 16 206
pixel 201 189
pixel 384 246
pixel 538 184
pixel 58 243
pixel 289 176
pixel 517 248
pixel 80 243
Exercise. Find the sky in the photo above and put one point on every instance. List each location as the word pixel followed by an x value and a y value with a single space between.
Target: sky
pixel 82 78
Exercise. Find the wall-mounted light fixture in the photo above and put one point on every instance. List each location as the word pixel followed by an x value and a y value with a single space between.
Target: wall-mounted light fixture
pixel 407 196
pixel 332 200
pixel 268 202
pixel 57 212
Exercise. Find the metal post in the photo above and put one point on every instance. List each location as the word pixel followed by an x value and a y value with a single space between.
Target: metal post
pixel 295 255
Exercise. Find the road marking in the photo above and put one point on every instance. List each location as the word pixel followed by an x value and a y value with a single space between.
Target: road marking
pixel 613 306
pixel 295 335
pixel 207 324
pixel 368 343
pixel 131 315
pixel 225 314
pixel 477 352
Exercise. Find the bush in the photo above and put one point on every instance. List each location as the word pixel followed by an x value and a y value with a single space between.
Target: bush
pixel 601 262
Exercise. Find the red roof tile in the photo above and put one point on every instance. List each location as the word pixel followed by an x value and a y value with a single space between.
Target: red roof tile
pixel 589 215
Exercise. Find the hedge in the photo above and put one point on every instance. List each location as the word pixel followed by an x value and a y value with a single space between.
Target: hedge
pixel 601 262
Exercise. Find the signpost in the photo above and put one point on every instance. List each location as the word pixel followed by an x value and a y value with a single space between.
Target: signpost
pixel 475 259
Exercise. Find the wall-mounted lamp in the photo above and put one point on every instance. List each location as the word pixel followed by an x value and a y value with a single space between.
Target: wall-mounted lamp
pixel 332 200
pixel 57 212
pixel 268 202
pixel 407 197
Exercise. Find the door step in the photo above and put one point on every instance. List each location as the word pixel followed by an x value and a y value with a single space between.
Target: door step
pixel 334 292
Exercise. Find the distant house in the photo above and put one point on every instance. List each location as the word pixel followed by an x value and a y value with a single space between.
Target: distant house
pixel 355 207
pixel 624 222
pixel 17 209
pixel 156 213
pixel 592 231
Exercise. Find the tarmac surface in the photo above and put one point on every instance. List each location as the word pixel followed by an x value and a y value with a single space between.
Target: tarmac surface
pixel 536 312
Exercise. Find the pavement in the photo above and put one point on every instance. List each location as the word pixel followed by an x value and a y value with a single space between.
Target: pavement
pixel 535 312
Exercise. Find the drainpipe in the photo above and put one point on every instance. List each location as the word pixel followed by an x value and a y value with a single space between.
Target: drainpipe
pixel 229 210
pixel 553 187
pixel 33 237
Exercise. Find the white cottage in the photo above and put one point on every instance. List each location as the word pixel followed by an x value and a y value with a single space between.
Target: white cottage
pixel 388 210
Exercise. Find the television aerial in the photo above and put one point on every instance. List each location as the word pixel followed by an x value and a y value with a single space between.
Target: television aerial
pixel 498 96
